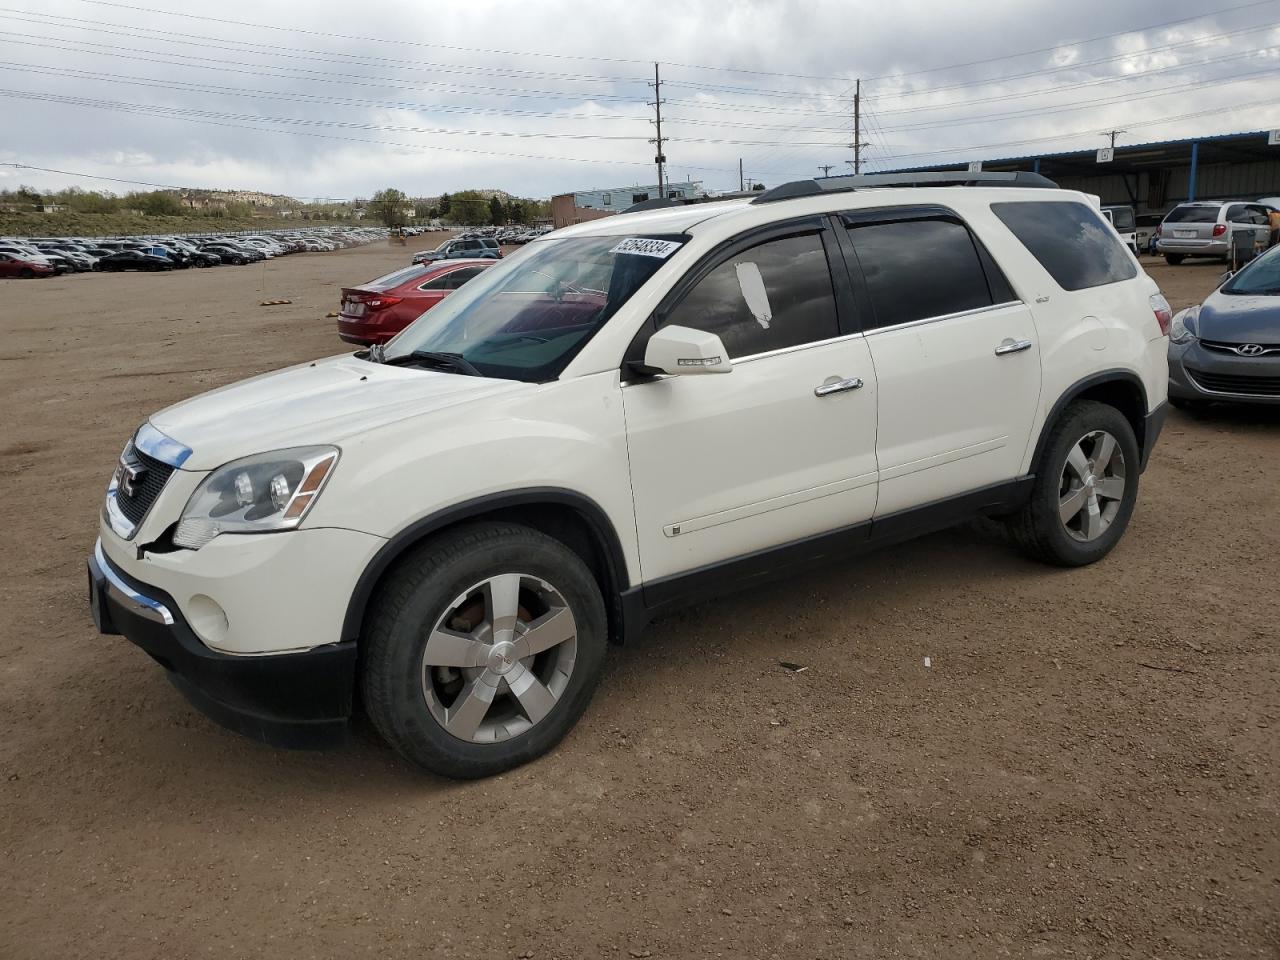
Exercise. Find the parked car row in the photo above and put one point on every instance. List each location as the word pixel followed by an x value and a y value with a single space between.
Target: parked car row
pixel 1222 229
pixel 50 256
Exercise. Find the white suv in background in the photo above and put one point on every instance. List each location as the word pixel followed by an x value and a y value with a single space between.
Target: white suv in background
pixel 625 416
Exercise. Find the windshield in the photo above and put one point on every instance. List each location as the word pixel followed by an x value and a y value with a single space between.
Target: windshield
pixel 1262 276
pixel 1122 217
pixel 1193 215
pixel 528 316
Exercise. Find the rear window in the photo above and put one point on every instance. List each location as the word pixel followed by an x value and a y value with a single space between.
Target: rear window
pixel 1070 240
pixel 1193 215
pixel 1122 217
pixel 395 279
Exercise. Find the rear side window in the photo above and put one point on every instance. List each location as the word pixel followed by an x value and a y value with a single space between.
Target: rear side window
pixel 916 269
pixel 1071 241
pixel 1193 215
pixel 771 296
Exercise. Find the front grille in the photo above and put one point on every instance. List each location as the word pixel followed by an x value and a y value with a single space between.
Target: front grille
pixel 1230 383
pixel 146 488
pixel 1224 347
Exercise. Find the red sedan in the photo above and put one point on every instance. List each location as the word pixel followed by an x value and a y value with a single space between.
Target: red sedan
pixel 376 311
pixel 13 265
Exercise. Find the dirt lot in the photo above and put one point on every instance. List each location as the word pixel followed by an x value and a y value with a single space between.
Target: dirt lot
pixel 1089 768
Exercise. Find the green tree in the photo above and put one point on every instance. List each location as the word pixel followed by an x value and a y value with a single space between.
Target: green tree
pixel 444 204
pixel 388 206
pixel 497 215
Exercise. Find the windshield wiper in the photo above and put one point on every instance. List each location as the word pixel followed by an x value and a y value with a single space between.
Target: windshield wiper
pixel 438 359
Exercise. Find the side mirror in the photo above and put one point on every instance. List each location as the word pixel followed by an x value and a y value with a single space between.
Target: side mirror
pixel 1225 277
pixel 681 351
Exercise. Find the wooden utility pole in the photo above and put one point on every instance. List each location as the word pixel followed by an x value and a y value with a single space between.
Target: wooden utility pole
pixel 741 182
pixel 660 159
pixel 826 168
pixel 857 127
pixel 1113 134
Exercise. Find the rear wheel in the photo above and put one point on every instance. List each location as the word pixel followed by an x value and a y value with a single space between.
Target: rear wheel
pixel 483 649
pixel 1173 259
pixel 26 273
pixel 1085 488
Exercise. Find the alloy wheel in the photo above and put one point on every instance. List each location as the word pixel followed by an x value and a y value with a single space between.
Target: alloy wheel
pixel 1092 486
pixel 500 658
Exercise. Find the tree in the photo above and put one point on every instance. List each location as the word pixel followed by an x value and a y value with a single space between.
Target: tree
pixel 497 215
pixel 444 204
pixel 388 206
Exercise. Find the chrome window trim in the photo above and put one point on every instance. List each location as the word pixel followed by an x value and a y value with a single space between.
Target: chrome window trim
pixel 795 347
pixel 156 445
pixel 946 316
pixel 142 605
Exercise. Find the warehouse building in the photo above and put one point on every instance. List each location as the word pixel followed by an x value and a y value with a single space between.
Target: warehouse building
pixel 1154 177
pixel 571 208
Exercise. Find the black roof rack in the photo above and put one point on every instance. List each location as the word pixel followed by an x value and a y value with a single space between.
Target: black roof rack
pixel 659 203
pixel 922 178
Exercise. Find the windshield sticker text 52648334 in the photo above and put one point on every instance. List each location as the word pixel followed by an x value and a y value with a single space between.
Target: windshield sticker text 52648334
pixel 647 248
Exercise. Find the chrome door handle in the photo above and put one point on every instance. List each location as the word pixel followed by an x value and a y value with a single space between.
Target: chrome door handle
pixel 1009 345
pixel 836 386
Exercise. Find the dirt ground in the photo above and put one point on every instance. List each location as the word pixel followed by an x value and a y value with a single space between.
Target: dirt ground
pixel 1090 766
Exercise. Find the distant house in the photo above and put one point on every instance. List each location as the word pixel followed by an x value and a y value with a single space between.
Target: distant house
pixel 51 207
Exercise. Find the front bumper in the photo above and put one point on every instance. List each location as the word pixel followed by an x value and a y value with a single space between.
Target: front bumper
pixel 1199 373
pixel 300 699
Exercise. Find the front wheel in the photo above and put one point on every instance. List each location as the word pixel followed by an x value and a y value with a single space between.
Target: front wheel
pixel 483 649
pixel 1085 489
pixel 1173 259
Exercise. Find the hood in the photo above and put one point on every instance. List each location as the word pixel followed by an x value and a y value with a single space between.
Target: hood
pixel 321 402
pixel 1233 318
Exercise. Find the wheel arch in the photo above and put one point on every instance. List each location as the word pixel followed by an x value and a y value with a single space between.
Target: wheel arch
pixel 1122 389
pixel 574 519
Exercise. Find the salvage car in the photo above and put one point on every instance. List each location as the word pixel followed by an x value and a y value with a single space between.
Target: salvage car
pixel 629 415
pixel 133 260
pixel 376 311
pixel 1228 347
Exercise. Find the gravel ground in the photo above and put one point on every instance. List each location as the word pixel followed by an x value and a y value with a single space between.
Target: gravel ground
pixel 1088 768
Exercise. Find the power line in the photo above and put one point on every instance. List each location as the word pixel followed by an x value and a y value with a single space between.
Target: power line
pixel 1070 43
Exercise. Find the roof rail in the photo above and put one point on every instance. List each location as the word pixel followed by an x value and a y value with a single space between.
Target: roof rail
pixel 658 203
pixel 921 178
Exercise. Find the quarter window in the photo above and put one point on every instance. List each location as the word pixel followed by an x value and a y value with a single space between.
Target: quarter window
pixel 916 269
pixel 774 295
pixel 1070 240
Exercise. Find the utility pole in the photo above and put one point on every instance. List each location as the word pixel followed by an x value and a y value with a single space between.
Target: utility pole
pixel 741 183
pixel 857 127
pixel 826 168
pixel 658 139
pixel 1113 134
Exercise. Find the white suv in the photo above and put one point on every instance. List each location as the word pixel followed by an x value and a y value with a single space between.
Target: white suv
pixel 625 416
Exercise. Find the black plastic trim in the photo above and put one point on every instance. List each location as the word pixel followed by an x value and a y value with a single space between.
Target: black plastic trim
pixel 919 178
pixel 597 520
pixel 773 563
pixel 1155 423
pixel 296 700
pixel 1079 387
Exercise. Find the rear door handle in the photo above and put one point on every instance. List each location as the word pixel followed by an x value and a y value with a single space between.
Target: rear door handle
pixel 836 386
pixel 1008 345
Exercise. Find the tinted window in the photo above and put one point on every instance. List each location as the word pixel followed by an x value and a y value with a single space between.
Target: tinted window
pixel 1193 215
pixel 919 268
pixel 1122 217
pixel 775 295
pixel 403 275
pixel 1071 241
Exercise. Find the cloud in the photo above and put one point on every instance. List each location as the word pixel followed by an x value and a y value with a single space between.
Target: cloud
pixel 324 108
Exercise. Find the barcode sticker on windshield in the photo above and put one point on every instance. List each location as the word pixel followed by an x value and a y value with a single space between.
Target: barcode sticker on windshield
pixel 647 248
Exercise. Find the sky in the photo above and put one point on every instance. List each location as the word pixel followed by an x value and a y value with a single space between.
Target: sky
pixel 322 99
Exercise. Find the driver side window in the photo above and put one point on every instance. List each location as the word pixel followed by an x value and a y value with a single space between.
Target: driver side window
pixel 771 296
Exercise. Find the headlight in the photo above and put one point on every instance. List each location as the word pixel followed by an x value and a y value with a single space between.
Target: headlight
pixel 259 494
pixel 1182 329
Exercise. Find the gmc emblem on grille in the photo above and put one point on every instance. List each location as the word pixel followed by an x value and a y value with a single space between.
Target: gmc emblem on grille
pixel 131 474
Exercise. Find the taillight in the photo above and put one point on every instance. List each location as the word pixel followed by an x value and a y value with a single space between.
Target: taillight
pixel 1164 313
pixel 377 303
pixel 1219 229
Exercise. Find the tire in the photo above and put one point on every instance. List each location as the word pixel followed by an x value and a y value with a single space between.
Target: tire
pixel 1173 259
pixel 412 692
pixel 1087 536
pixel 26 273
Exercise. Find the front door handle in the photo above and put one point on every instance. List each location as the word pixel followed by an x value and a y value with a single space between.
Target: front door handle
pixel 1008 345
pixel 836 386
